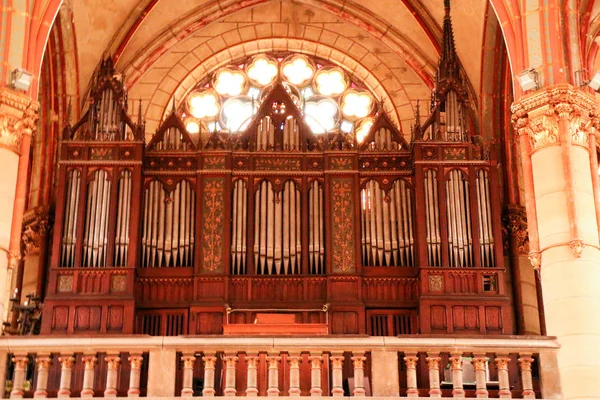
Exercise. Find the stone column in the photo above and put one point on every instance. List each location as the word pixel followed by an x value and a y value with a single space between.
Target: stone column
pixel 337 364
pixel 20 363
pixel 135 361
pixel 187 387
pixel 294 361
pixel 252 384
pixel 273 389
pixel 66 370
pixel 456 363
pixel 112 372
pixel 209 376
pixel 230 363
pixel 433 362
pixel 43 364
pixel 525 361
pixel 479 363
pixel 411 360
pixel 18 114
pixel 555 125
pixel 89 362
pixel 359 375
pixel 315 375
pixel 503 377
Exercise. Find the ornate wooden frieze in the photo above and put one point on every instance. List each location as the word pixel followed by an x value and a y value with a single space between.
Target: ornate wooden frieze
pixel 18 116
pixel 171 163
pixel 341 163
pixel 278 164
pixel 538 116
pixel 36 223
pixel 213 230
pixel 101 153
pixel 515 224
pixel 454 153
pixel 215 162
pixel 342 226
pixel 385 163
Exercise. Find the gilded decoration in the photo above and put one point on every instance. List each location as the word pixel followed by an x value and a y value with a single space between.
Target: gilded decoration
pixel 436 283
pixel 18 117
pixel 454 153
pixel 515 224
pixel 341 163
pixel 65 283
pixel 118 283
pixel 538 116
pixel 214 162
pixel 36 223
pixel 212 230
pixel 278 164
pixel 343 225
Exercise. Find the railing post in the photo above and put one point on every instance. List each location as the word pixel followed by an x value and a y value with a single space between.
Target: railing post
pixel 479 363
pixel 359 375
pixel 162 371
pixel 89 362
pixel 337 388
pixel 251 367
pixel 230 362
pixel 112 371
pixel 315 375
pixel 411 360
pixel 135 361
pixel 43 364
pixel 66 370
pixel 294 361
pixel 209 376
pixel 525 361
pixel 502 362
pixel 457 377
pixel 385 379
pixel 273 389
pixel 433 362
pixel 187 389
pixel 20 362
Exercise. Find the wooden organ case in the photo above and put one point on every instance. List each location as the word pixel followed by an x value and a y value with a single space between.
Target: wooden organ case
pixel 186 235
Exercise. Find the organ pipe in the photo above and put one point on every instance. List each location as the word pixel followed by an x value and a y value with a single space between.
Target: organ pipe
pixel 432 219
pixel 70 224
pixel 105 118
pixel 172 140
pixel 168 228
pixel 123 215
pixel 383 141
pixel 387 225
pixel 316 234
pixel 95 237
pixel 266 135
pixel 277 240
pixel 460 237
pixel 484 212
pixel 238 228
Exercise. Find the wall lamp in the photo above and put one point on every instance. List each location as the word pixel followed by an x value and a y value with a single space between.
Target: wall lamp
pixel 529 80
pixel 594 83
pixel 21 79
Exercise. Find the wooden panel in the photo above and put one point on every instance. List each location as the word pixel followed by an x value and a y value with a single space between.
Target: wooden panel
pixel 342 225
pixel 213 230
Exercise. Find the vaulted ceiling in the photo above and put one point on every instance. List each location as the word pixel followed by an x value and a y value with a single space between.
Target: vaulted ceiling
pixel 164 47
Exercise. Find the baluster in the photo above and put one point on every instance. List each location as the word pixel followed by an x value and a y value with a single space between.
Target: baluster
pixel 43 363
pixel 66 369
pixel 252 385
pixel 135 361
pixel 20 362
pixel 273 389
pixel 457 375
pixel 187 389
pixel 112 363
pixel 480 362
pixel 294 360
pixel 525 365
pixel 411 360
pixel 502 362
pixel 209 376
pixel 337 360
pixel 315 375
pixel 230 362
pixel 89 362
pixel 433 362
pixel 359 375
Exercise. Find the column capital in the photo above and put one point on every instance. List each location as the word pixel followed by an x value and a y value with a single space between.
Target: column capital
pixel 66 361
pixel 514 219
pixel 456 361
pixel 18 117
pixel 21 361
pixel 136 361
pixel 36 223
pixel 209 361
pixel 43 361
pixel 502 362
pixel 113 361
pixel 411 360
pixel 538 115
pixel 89 361
pixel 433 361
pixel 479 362
pixel 525 362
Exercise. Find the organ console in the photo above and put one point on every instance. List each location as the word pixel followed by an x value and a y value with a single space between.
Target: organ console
pixel 277 194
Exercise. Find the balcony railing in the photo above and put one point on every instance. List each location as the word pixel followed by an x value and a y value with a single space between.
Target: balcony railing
pixel 168 367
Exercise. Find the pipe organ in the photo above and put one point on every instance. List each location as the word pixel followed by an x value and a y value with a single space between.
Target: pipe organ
pixel 209 226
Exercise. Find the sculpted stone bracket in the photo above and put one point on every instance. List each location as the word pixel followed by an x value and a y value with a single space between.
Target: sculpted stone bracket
pixel 36 223
pixel 514 223
pixel 18 117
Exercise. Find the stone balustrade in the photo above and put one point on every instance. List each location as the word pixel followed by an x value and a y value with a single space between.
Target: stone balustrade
pixel 168 367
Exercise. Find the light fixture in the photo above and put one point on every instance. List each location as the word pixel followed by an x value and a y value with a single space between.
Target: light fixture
pixel 21 79
pixel 594 83
pixel 528 80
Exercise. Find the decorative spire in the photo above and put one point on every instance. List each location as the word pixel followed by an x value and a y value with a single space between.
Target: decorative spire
pixel 448 62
